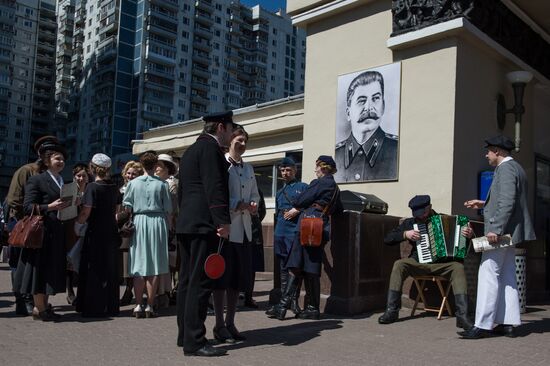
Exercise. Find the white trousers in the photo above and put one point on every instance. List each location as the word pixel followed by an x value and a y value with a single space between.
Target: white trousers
pixel 497 291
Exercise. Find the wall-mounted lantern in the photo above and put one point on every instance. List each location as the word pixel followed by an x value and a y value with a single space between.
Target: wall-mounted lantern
pixel 518 79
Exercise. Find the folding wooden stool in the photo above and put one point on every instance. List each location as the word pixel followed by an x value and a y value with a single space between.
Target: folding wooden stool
pixel 420 282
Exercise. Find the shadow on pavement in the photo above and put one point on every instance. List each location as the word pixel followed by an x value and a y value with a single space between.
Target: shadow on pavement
pixel 286 335
pixel 536 326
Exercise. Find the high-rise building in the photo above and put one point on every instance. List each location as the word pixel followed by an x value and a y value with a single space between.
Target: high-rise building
pixel 27 79
pixel 138 64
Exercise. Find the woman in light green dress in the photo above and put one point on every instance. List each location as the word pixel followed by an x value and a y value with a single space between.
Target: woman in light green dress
pixel 148 198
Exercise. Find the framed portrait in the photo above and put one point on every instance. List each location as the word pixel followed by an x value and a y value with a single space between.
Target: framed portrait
pixel 367 125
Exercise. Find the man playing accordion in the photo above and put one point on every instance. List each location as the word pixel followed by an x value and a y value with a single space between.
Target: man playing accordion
pixel 403 268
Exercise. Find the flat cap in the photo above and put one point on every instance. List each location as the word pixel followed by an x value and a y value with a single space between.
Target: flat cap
pixel 327 160
pixel 42 140
pixel 288 161
pixel 52 146
pixel 418 204
pixel 222 117
pixel 500 141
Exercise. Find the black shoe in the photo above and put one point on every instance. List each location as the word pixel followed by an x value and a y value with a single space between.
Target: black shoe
pixel 250 303
pixel 235 333
pixel 21 307
pixel 45 316
pixel 392 308
pixel 70 299
pixel 461 312
pixel 223 335
pixel 388 317
pixel 310 312
pixel 206 351
pixel 126 298
pixel 475 333
pixel 505 330
pixel 270 311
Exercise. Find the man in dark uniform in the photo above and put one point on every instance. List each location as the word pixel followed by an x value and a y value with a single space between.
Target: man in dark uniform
pixel 203 220
pixel 369 153
pixel 287 222
pixel 403 268
pixel 14 200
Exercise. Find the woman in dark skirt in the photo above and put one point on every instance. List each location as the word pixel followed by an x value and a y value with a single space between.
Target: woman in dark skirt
pixel 243 203
pixel 41 272
pixel 320 199
pixel 98 289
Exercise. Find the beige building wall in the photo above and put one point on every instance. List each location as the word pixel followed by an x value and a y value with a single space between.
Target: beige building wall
pixel 356 40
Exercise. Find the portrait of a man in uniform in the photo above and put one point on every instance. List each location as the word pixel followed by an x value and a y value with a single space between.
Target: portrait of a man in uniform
pixel 367 125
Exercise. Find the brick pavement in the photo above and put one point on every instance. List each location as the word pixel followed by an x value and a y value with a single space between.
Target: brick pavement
pixel 329 341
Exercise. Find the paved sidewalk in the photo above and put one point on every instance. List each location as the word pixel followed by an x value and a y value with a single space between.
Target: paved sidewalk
pixel 330 341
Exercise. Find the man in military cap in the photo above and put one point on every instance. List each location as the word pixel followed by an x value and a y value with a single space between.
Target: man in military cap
pixel 203 221
pixel 14 199
pixel 422 210
pixel 505 211
pixel 286 225
pixel 369 153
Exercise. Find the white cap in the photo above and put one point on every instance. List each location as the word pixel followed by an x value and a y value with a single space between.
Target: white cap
pixel 168 159
pixel 101 160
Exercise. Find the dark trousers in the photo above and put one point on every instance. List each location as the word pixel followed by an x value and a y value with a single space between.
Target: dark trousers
pixel 194 289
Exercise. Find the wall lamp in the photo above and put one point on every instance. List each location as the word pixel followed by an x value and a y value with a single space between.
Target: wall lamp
pixel 518 79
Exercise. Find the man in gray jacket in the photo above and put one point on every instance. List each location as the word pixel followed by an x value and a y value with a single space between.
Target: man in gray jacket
pixel 505 212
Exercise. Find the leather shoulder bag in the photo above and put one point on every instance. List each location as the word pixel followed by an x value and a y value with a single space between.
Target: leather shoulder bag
pixel 311 227
pixel 29 231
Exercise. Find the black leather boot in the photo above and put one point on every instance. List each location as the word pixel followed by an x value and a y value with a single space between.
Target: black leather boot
pixel 21 305
pixel 289 292
pixel 392 308
pixel 294 305
pixel 461 312
pixel 284 279
pixel 313 294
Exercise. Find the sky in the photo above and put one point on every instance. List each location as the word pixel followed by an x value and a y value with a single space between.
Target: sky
pixel 272 5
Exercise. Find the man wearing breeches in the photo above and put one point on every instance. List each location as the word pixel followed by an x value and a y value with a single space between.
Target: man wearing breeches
pixel 403 268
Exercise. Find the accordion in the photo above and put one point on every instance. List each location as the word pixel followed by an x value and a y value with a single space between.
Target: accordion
pixel 441 239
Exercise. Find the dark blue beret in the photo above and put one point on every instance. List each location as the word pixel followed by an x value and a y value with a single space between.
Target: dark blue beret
pixel 418 204
pixel 288 161
pixel 500 141
pixel 327 160
pixel 222 117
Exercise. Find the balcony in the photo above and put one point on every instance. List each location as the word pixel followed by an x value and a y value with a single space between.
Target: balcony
pixel 44 70
pixel 164 17
pixel 204 18
pixel 161 73
pixel 201 58
pixel 160 30
pixel 203 32
pixel 159 117
pixel 200 71
pixel 109 29
pixel 107 52
pixel 156 57
pixel 47 22
pixel 42 106
pixel 45 59
pixel 50 47
pixel 196 98
pixel 260 28
pixel 46 35
pixel 202 45
pixel 195 84
pixel 105 13
pixel 205 5
pixel 164 102
pixel 152 83
pixel 172 4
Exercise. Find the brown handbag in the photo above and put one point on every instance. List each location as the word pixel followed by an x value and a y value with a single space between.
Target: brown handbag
pixel 311 228
pixel 29 231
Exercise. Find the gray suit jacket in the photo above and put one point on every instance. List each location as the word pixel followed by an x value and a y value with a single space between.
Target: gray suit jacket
pixel 506 210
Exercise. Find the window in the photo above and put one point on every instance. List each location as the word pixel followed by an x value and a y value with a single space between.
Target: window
pixel 181 103
pixel 90 22
pixel 185 34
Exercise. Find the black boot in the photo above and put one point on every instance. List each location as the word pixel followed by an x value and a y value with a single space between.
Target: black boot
pixel 21 305
pixel 284 279
pixel 313 294
pixel 294 305
pixel 289 292
pixel 392 308
pixel 461 312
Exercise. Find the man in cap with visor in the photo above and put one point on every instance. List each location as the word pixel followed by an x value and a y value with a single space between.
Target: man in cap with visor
pixel 421 208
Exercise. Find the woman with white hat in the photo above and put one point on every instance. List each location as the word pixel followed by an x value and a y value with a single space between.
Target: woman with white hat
pixel 98 288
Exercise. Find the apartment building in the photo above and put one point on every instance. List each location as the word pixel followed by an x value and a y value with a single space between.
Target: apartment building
pixel 136 65
pixel 27 80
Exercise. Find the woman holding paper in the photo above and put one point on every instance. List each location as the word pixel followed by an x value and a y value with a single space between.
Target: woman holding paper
pixel 41 272
pixel 98 288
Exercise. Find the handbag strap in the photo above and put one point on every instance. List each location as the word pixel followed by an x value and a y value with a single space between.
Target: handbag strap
pixel 327 207
pixel 220 245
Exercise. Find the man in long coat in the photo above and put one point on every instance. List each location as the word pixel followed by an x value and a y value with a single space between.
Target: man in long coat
pixel 202 222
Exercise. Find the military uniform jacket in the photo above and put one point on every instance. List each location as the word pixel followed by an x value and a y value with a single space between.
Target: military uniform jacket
pixel 506 210
pixel 203 191
pixel 16 192
pixel 376 159
pixel 283 202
